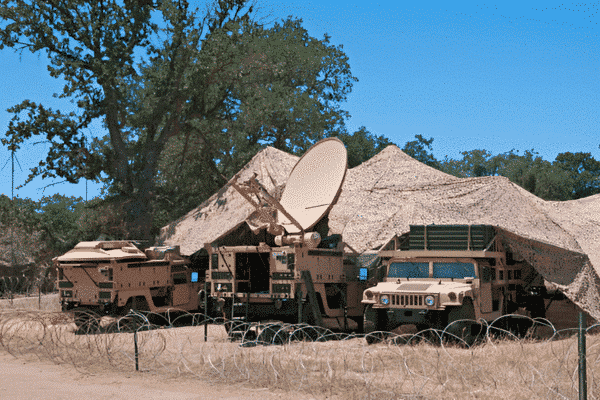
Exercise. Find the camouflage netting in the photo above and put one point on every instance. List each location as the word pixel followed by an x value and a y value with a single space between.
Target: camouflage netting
pixel 226 210
pixel 385 195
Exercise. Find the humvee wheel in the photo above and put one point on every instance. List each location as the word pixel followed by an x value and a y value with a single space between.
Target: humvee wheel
pixel 462 325
pixel 375 325
pixel 305 332
pixel 273 334
pixel 238 330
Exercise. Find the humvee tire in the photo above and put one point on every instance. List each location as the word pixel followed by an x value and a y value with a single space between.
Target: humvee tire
pixel 375 325
pixel 273 334
pixel 462 325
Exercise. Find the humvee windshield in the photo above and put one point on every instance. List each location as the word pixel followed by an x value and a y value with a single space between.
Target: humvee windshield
pixel 409 270
pixel 456 270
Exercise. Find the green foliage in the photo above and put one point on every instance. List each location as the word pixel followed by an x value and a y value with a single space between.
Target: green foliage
pixel 55 224
pixel 570 176
pixel 474 163
pixel 420 149
pixel 534 174
pixel 101 219
pixel 283 90
pixel 583 170
pixel 362 145
pixel 210 90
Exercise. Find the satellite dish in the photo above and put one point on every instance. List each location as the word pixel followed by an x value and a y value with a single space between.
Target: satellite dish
pixel 314 184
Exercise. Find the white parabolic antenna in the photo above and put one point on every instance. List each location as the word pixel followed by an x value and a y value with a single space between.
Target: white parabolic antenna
pixel 314 184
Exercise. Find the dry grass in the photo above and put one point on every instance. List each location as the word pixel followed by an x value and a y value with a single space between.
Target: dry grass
pixel 47 302
pixel 349 369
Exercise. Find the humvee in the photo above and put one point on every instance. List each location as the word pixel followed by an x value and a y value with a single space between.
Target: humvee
pixel 437 275
pixel 112 277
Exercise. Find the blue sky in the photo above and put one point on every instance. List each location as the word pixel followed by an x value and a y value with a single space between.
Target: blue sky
pixel 472 75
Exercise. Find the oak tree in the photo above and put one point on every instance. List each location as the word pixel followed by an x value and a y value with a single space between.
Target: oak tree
pixel 179 92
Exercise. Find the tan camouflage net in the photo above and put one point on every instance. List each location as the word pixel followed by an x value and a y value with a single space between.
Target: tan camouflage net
pixel 383 196
pixel 226 210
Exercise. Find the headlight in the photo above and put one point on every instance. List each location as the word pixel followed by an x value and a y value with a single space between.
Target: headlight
pixel 384 299
pixel 452 296
pixel 430 301
pixel 369 295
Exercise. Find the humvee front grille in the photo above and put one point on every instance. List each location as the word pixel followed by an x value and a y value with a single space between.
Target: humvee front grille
pixel 407 300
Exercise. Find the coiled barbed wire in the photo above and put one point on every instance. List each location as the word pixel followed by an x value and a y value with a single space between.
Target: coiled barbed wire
pixel 537 362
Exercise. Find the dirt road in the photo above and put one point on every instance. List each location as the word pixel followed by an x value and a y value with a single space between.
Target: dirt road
pixel 33 379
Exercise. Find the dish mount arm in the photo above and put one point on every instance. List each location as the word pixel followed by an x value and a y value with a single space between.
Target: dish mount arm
pixel 253 187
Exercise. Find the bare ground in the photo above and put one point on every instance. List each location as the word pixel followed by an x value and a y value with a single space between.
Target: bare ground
pixel 35 379
pixel 29 377
pixel 180 365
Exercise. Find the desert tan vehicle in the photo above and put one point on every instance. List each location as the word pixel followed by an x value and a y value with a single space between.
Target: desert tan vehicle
pixel 112 277
pixel 296 283
pixel 439 274
pixel 293 276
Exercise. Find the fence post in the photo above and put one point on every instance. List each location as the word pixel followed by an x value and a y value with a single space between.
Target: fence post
pixel 135 342
pixel 205 311
pixel 582 358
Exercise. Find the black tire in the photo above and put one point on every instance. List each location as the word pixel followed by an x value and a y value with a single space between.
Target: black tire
pixel 273 334
pixel 462 326
pixel 375 325
pixel 132 323
pixel 308 333
pixel 374 320
pixel 239 330
pixel 136 321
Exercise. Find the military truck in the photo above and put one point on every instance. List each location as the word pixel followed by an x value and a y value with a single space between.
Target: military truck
pixel 297 282
pixel 291 275
pixel 437 275
pixel 112 277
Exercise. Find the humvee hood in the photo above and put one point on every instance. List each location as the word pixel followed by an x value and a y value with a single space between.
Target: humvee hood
pixel 434 286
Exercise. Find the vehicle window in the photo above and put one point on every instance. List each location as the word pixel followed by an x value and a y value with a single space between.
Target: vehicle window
pixel 179 279
pixel 456 270
pixel 409 270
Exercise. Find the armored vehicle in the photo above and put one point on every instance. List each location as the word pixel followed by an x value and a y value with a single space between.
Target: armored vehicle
pixel 437 275
pixel 113 277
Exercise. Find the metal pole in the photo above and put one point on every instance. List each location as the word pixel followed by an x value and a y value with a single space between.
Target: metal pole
pixel 135 345
pixel 247 305
pixel 582 360
pixel 299 301
pixel 135 342
pixel 205 311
